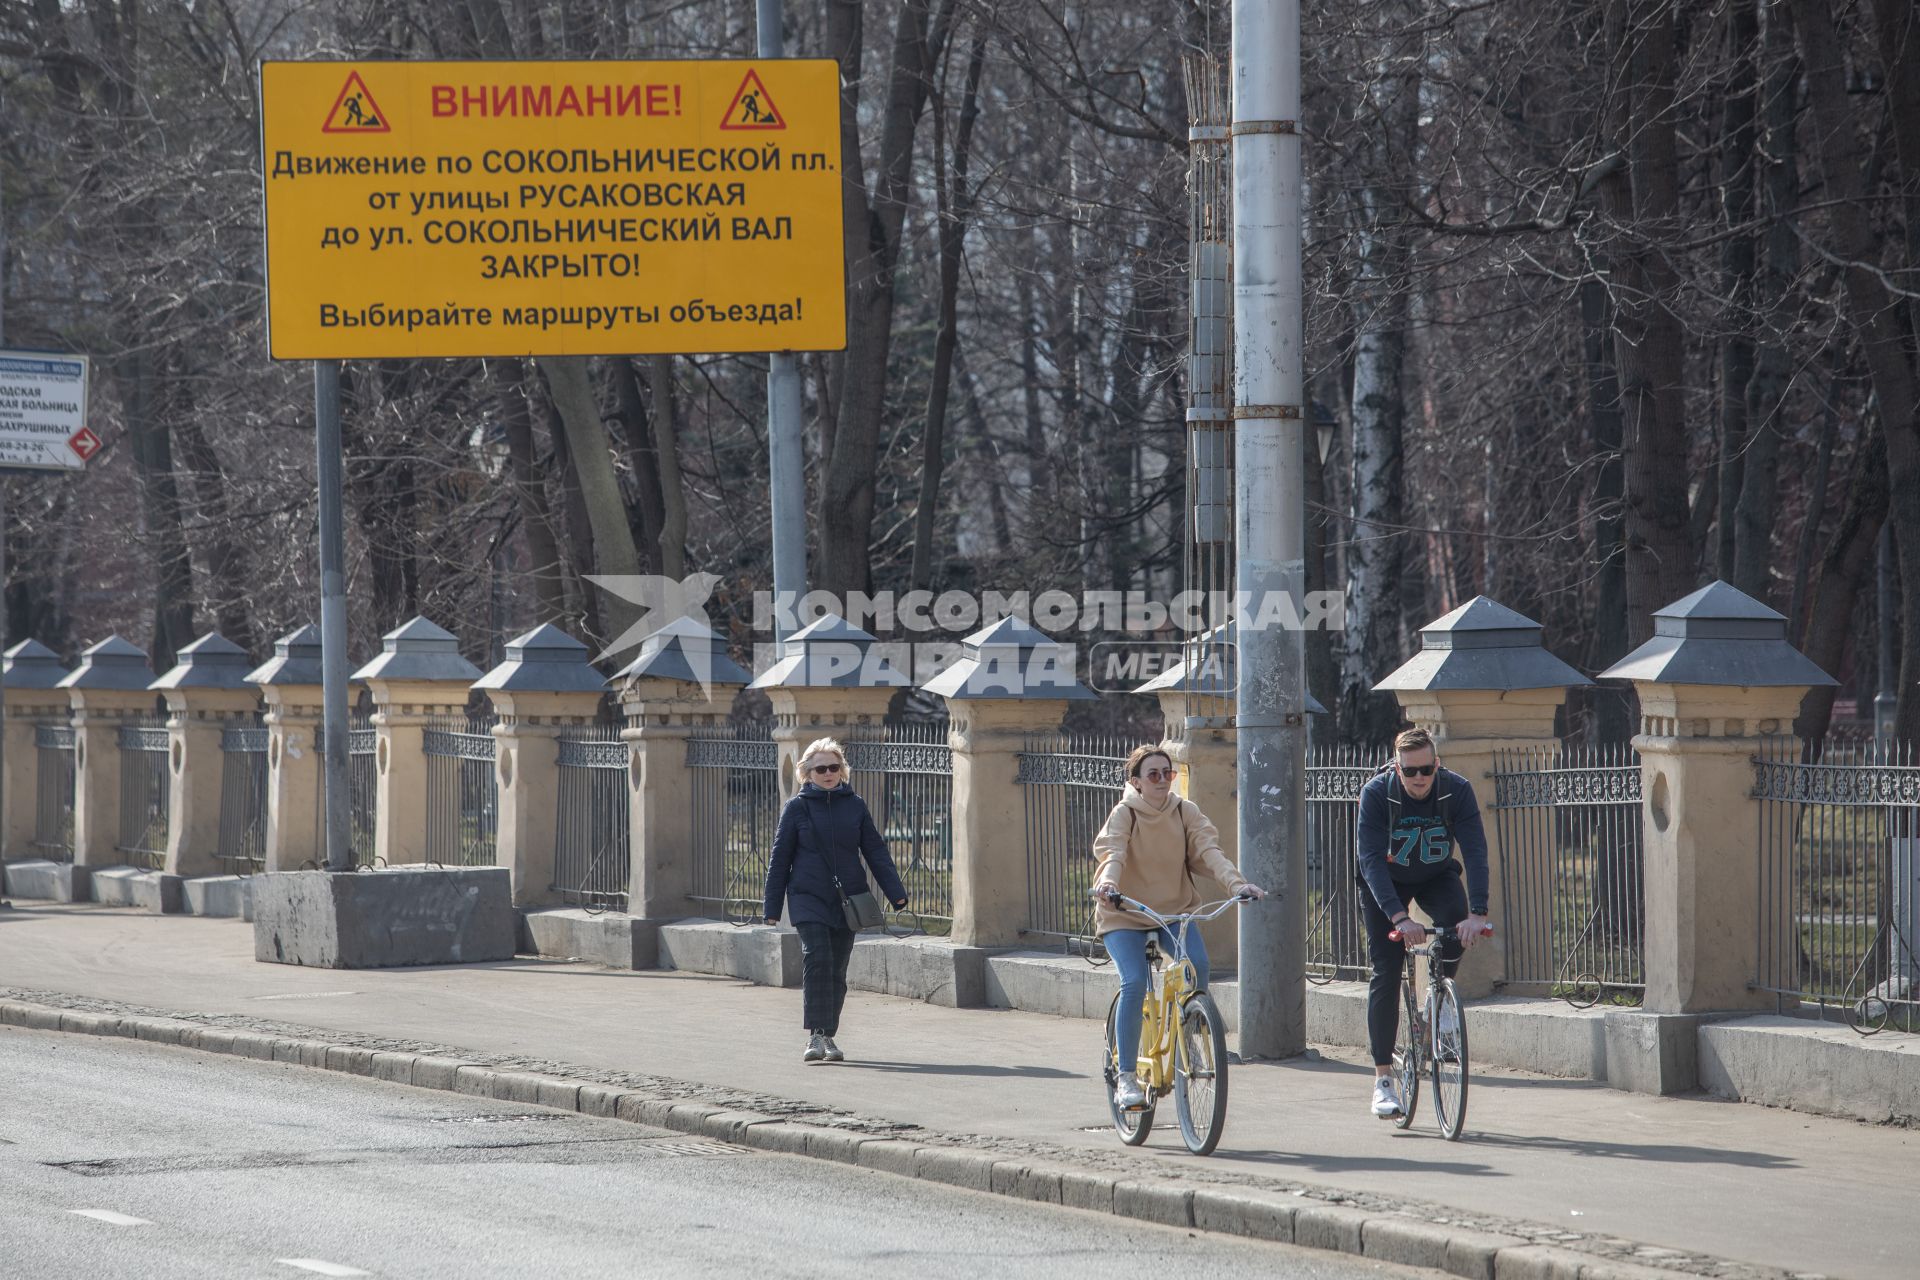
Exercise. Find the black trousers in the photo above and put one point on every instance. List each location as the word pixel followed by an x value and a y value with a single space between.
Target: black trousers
pixel 824 953
pixel 1445 900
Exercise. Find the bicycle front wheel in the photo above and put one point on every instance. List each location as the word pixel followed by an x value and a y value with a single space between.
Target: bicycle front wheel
pixel 1132 1126
pixel 1200 1075
pixel 1449 1060
pixel 1409 1065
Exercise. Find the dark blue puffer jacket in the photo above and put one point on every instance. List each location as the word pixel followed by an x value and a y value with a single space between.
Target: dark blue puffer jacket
pixel 819 829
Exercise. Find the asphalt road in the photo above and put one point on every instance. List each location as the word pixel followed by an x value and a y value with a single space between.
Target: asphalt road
pixel 126 1159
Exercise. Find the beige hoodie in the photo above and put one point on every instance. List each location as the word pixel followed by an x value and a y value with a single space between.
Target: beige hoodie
pixel 1153 854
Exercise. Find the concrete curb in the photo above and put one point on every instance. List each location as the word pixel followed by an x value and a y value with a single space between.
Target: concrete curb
pixel 1242 1211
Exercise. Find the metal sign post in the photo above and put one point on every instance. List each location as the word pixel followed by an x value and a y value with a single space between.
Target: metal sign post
pixel 786 456
pixel 333 612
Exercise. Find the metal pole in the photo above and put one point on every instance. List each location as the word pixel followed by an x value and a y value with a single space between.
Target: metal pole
pixel 3 555
pixel 1269 520
pixel 333 611
pixel 786 455
pixel 1886 702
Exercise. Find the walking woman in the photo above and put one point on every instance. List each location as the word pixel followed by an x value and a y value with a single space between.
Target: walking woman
pixel 825 831
pixel 1149 848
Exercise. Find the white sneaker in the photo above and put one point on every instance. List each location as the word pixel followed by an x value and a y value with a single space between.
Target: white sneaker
pixel 1127 1093
pixel 833 1051
pixel 1386 1098
pixel 816 1048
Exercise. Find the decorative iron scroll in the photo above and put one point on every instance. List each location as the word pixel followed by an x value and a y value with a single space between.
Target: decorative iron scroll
pixel 245 741
pixel 460 746
pixel 900 757
pixel 135 737
pixel 593 753
pixel 731 753
pixel 1338 782
pixel 1048 768
pixel 53 737
pixel 1862 784
pixel 1550 788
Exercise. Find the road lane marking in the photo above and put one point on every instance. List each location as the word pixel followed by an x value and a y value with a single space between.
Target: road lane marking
pixel 111 1218
pixel 305 995
pixel 324 1268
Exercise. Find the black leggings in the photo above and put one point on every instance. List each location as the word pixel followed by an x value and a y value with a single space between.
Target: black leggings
pixel 1445 900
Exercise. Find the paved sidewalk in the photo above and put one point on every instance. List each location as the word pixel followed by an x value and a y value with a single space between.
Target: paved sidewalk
pixel 1591 1168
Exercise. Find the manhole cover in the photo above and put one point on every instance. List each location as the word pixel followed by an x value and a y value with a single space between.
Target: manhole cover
pixel 694 1147
pixel 500 1119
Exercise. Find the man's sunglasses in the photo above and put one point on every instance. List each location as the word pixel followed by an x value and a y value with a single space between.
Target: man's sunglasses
pixel 1418 770
pixel 826 768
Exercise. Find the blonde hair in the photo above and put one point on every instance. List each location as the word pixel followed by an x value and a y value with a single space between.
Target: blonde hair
pixel 829 746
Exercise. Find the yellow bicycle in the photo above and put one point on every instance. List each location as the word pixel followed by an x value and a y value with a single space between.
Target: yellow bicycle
pixel 1192 1064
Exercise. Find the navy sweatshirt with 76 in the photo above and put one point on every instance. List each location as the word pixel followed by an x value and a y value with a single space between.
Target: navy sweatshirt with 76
pixel 1403 841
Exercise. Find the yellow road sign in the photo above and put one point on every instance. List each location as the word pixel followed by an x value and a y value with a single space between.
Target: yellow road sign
pixel 552 208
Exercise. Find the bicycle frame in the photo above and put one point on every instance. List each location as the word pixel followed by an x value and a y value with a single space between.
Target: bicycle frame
pixel 1176 981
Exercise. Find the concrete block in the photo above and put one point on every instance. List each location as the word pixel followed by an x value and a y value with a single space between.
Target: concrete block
pixel 1047 982
pixel 227 896
pixel 1822 1067
pixel 434 1073
pixel 350 1058
pixel 37 879
pixel 475 1082
pixel 1026 1181
pixel 601 1100
pixel 888 1155
pixel 637 1108
pixel 249 1044
pixel 383 919
pixel 287 1051
pixel 689 1117
pixel 763 954
pixel 955 1167
pixel 1167 1203
pixel 1471 1254
pixel 1650 1052
pixel 1244 1213
pixel 1329 1226
pixel 1337 1014
pixel 1080 1190
pixel 935 970
pixel 725 1126
pixel 516 1086
pixel 313 1053
pixel 785 1137
pixel 1407 1241
pixel 561 1095
pixel 154 892
pixel 396 1068
pixel 41 1018
pixel 1540 1262
pixel 841 1145
pixel 1547 1036
pixel 86 1024
pixel 612 938
pixel 213 1040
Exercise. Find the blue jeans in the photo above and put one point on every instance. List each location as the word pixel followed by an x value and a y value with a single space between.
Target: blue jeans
pixel 1128 947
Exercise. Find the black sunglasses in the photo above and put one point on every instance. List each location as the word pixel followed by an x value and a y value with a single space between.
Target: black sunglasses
pixel 1418 770
pixel 826 768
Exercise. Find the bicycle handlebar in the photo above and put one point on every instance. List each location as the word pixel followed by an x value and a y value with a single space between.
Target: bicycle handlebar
pixel 1201 915
pixel 1394 934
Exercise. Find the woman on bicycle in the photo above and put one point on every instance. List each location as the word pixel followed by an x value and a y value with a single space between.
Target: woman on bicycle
pixel 1149 849
pixel 824 834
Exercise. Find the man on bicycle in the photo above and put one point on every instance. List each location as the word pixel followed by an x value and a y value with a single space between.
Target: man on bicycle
pixel 1411 814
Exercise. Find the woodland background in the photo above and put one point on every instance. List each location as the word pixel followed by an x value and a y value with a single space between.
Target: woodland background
pixel 1606 299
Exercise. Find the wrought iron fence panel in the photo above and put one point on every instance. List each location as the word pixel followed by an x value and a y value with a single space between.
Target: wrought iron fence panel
pixel 904 771
pixel 363 790
pixel 593 855
pixel 1839 926
pixel 463 795
pixel 1573 898
pixel 736 797
pixel 53 791
pixel 1336 941
pixel 243 797
pixel 1068 786
pixel 145 793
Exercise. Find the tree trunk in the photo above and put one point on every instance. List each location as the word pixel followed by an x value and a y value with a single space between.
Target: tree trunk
pixel 1844 572
pixel 955 206
pixel 1737 161
pixel 227 576
pixel 587 444
pixel 1607 643
pixel 641 456
pixel 1872 310
pixel 530 491
pixel 1772 374
pixel 173 624
pixel 873 251
pixel 1650 344
pixel 673 492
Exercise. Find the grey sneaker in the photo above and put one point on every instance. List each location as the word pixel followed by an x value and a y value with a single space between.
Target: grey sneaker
pixel 816 1049
pixel 1386 1098
pixel 1127 1093
pixel 833 1051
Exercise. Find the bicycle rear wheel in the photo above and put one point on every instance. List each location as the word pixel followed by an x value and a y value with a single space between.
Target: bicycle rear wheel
pixel 1200 1075
pixel 1449 1061
pixel 1132 1126
pixel 1410 1059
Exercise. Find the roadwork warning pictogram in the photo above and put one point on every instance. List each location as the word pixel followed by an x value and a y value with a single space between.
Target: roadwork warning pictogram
pixel 752 107
pixel 355 111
